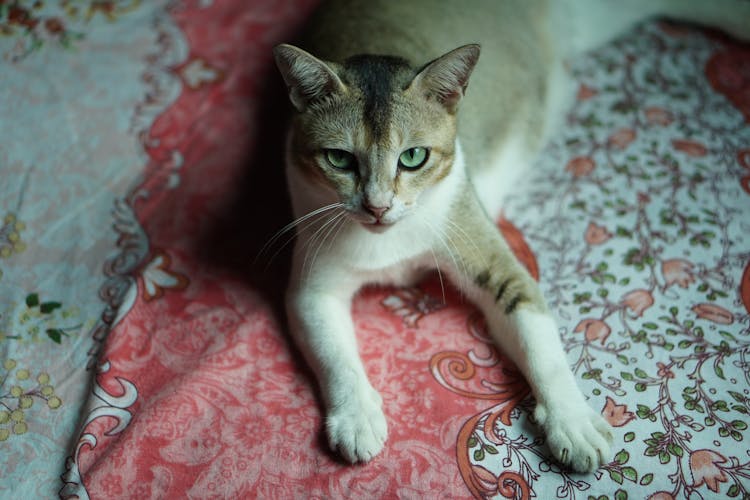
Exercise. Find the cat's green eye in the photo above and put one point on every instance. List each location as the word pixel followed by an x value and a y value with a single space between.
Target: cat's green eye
pixel 338 158
pixel 413 158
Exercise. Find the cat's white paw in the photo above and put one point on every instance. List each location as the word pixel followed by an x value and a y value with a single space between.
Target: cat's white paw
pixel 356 428
pixel 577 436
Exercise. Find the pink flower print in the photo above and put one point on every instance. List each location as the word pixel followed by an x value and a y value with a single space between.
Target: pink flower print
pixel 713 313
pixel 616 415
pixel 743 158
pixel 664 371
pixel 704 469
pixel 580 166
pixel 661 495
pixel 690 148
pixel 677 271
pixel 658 116
pixel 621 138
pixel 638 301
pixel 54 26
pixel 485 480
pixel 593 329
pixel 596 235
pixel 22 17
pixel 726 70
pixel 585 92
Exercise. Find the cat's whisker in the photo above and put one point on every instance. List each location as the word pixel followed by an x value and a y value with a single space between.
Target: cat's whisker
pixel 450 246
pixel 339 225
pixel 273 239
pixel 314 239
pixel 333 223
pixel 301 228
pixel 468 241
pixel 434 256
pixel 325 236
pixel 440 274
pixel 442 237
pixel 310 241
pixel 466 238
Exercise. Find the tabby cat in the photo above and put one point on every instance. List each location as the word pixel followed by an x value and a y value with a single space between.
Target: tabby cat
pixel 395 169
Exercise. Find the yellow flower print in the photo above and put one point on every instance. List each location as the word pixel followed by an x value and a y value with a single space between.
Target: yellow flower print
pixel 20 389
pixel 10 236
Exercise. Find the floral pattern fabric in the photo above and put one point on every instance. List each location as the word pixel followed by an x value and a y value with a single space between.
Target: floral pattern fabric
pixel 141 355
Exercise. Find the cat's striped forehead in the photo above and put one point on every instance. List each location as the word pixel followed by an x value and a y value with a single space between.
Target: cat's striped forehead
pixel 378 79
pixel 380 110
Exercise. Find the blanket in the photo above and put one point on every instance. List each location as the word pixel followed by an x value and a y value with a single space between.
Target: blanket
pixel 142 350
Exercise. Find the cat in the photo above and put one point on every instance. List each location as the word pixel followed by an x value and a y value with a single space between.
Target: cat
pixel 396 165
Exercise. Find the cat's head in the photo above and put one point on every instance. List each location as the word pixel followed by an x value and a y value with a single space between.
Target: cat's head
pixel 374 131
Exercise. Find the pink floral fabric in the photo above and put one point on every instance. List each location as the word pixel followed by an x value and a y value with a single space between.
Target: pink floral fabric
pixel 141 179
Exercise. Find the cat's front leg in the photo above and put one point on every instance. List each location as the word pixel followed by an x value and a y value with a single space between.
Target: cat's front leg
pixel 319 312
pixel 523 328
pixel 577 435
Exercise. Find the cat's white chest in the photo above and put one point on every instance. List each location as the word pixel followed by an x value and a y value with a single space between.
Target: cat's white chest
pixel 397 256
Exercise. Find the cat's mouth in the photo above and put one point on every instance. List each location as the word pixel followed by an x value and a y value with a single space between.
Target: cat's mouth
pixel 377 226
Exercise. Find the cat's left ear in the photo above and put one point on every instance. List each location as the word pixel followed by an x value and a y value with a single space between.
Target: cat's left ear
pixel 307 77
pixel 446 77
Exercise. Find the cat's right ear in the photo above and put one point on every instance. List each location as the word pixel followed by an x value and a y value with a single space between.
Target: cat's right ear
pixel 307 78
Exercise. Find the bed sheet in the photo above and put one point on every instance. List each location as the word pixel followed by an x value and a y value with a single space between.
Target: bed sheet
pixel 142 353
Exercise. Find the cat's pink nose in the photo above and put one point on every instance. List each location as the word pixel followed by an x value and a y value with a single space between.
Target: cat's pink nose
pixel 376 211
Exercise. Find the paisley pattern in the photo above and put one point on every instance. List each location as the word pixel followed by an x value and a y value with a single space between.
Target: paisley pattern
pixel 142 356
